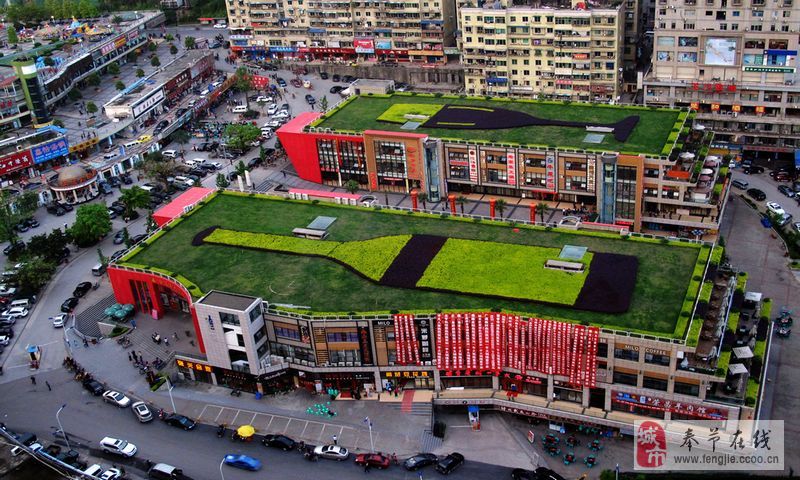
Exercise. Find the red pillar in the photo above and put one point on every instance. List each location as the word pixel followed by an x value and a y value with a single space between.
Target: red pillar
pixel 414 200
pixel 533 213
pixel 452 199
pixel 492 203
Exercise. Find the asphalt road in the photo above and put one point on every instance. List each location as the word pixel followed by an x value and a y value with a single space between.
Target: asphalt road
pixel 765 183
pixel 86 419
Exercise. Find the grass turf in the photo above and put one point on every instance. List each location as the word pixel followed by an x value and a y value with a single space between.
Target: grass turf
pixel 397 112
pixel 664 270
pixel 649 136
pixel 506 270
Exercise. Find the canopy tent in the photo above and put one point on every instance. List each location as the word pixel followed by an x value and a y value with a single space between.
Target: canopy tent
pixel 737 368
pixel 743 352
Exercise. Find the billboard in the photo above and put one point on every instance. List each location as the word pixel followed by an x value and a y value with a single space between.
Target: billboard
pixel 364 45
pixel 383 44
pixel 50 150
pixel 15 161
pixel 720 51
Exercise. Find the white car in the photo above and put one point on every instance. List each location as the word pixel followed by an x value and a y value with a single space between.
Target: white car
pixel 116 398
pixel 263 99
pixel 280 115
pixel 216 165
pixel 184 180
pixel 775 208
pixel 169 153
pixel 59 320
pixel 4 339
pixel 273 109
pixel 111 474
pixel 220 25
pixel 273 124
pixel 7 290
pixel 16 312
pixel 256 142
pixel 118 447
pixel 142 412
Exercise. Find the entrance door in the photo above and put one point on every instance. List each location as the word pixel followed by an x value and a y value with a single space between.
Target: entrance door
pixel 597 398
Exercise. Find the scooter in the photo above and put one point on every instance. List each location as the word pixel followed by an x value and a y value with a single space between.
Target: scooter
pixel 784 332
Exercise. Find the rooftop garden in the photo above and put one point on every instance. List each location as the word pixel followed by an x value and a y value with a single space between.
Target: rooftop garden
pixel 543 124
pixel 251 251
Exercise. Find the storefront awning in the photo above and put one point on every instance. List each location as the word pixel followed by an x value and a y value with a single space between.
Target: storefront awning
pixel 496 80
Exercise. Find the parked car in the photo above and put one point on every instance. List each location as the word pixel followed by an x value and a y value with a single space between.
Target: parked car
pixel 336 77
pixel 775 208
pixel 243 461
pixel 296 83
pixel 757 194
pixel 323 75
pixel 253 163
pixel 59 320
pixel 179 421
pixel 4 340
pixel 263 99
pixel 375 460
pixel 82 289
pixel 336 89
pixel 142 412
pixel 348 79
pixel 93 386
pixel 332 452
pixel 420 460
pixel 449 463
pixel 751 169
pixel 7 290
pixel 118 446
pixel 220 26
pixel 30 222
pixel 7 331
pixel 16 312
pixel 116 398
pixel 281 82
pixel 784 189
pixel 69 305
pixel 279 441
pixel 55 209
pixel 111 474
pixel 310 99
pixel 14 248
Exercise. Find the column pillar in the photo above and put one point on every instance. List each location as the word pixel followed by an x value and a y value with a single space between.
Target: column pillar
pixel 414 200
pixel 550 388
pixel 495 383
pixel 607 405
pixel 533 213
pixel 492 203
pixel 452 199
pixel 585 397
pixel 437 380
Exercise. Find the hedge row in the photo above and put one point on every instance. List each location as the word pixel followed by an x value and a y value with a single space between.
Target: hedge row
pixel 266 241
pixel 691 295
pixel 716 255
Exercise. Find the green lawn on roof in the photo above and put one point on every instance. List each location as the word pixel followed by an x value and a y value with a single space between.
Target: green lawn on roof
pixel 662 280
pixel 649 136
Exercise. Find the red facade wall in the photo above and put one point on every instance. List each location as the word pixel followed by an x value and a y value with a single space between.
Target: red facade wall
pixel 121 284
pixel 301 147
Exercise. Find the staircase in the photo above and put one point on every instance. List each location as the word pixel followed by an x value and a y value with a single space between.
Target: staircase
pixel 86 321
pixel 428 443
pixel 417 408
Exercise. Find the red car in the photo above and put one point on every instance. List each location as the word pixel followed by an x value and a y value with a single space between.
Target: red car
pixel 296 82
pixel 375 460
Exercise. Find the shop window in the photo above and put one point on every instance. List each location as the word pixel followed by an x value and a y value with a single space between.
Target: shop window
pixel 602 350
pixel 293 353
pixel 466 382
pixel 289 333
pixel 655 383
pixel 625 378
pixel 567 395
pixel 687 389
pixel 229 318
pixel 342 337
pixel 656 359
pixel 346 356
pixel 626 354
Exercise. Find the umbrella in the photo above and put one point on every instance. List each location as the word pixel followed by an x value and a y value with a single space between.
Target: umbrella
pixel 246 431
pixel 111 310
pixel 706 171
pixel 710 163
pixel 687 155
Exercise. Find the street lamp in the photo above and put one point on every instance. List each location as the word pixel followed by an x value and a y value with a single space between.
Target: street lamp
pixel 171 400
pixel 222 462
pixel 369 424
pixel 58 419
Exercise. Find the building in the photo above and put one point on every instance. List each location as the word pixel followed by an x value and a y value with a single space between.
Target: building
pixel 659 178
pixel 26 158
pixel 672 363
pixel 546 50
pixel 409 31
pixel 735 63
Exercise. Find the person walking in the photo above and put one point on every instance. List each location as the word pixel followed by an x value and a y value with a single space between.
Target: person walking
pixel 366 467
pixel 335 440
pixel 49 388
pixel 33 380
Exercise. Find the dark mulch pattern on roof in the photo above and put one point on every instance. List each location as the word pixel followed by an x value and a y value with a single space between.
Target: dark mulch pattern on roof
pixel 609 286
pixel 200 237
pixel 410 264
pixel 498 118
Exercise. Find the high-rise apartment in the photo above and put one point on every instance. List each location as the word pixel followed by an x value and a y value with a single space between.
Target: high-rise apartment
pixel 735 62
pixel 395 30
pixel 543 50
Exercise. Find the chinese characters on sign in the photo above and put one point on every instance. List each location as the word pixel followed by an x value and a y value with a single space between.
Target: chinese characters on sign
pixel 15 161
pixel 511 166
pixel 48 151
pixel 472 155
pixel 663 405
pixel 550 171
pixel 425 351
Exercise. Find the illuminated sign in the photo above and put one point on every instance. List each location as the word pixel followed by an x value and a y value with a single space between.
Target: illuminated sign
pixel 769 69
pixel 48 151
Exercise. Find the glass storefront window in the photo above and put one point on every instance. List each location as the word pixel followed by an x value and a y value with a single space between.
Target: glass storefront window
pixel 338 356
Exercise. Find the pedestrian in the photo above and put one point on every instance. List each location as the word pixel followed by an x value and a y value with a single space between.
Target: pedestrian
pixel 366 467
pixel 166 341
pixel 284 173
pixel 335 440
pixel 394 459
pixel 49 388
pixel 85 343
pixel 33 380
pixel 130 358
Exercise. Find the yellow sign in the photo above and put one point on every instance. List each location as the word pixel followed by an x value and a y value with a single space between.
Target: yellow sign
pixel 405 374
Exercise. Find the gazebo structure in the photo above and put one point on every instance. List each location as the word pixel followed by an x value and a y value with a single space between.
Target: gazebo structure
pixel 75 184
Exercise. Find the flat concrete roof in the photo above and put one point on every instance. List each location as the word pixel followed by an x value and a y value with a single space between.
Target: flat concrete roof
pixel 231 301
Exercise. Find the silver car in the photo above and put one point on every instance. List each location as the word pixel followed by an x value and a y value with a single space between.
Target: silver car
pixel 142 412
pixel 332 452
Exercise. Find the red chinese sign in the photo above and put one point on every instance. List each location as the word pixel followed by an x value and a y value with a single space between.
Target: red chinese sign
pixel 260 82
pixel 695 105
pixel 472 156
pixel 760 110
pixel 715 107
pixel 511 167
pixel 736 108
pixel 15 161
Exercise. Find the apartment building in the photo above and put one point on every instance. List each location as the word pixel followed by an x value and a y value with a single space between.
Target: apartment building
pixel 546 50
pixel 409 31
pixel 735 63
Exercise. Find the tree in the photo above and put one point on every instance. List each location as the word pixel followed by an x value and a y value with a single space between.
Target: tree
pixel 262 154
pixel 241 136
pixel 351 186
pixel 116 20
pixel 152 46
pixel 113 68
pixel 49 62
pixel 422 196
pixel 102 258
pixel 92 223
pixel 49 247
pixel 12 35
pixel 120 85
pixel 240 168
pixel 150 224
pixel 94 79
pixel 222 182
pixel 132 57
pixel 139 73
pixel 500 207
pixel 173 49
pixel 155 61
pixel 243 82
pixel 91 107
pixel 461 200
pixel 87 9
pixel 126 237
pixel 58 123
pixel 74 94
pixel 542 208
pixel 323 104
pixel 158 168
pixel 12 211
pixel 181 137
pixel 168 37
pixel 133 198
pixel 189 43
pixel 34 274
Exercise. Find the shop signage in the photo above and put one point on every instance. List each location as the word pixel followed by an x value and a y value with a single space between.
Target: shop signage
pixel 383 44
pixel 333 50
pixel 522 411
pixel 271 375
pixel 15 161
pixel 736 108
pixel 211 323
pixel 240 37
pixel 48 151
pixel 383 323
pixel 194 366
pixel 406 340
pixel 656 351
pixel 373 180
pixel 760 109
pixel 260 82
pixel 511 167
pixel 451 51
pixel 591 163
pixel 663 405
pixel 472 156
pixel 427 53
pixel 550 171
pixel 107 48
pixel 364 346
pixel 405 374
pixel 281 49
pixel 769 69
pixel 305 335
pixel 120 42
pixel 424 335
pixel 580 56
pixel 694 105
pixel 412 161
pixel 364 45
pixel 715 107
pixel 148 103
pixel 132 35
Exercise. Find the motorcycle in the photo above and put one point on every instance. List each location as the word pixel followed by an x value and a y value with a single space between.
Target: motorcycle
pixel 784 332
pixel 221 430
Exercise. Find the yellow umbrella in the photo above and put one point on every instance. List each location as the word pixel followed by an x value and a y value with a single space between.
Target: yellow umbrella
pixel 246 431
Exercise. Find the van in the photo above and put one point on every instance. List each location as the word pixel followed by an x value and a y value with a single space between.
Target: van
pixel 184 180
pixel 22 303
pixel 94 470
pixel 162 471
pixel 240 109
pixel 740 184
pixel 98 270
pixel 131 144
pixel 169 153
pixel 192 162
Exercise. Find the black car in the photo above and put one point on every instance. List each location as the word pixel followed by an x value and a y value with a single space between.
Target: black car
pixel 56 209
pixel 66 206
pixel 138 238
pixel 105 188
pixel 69 304
pixel 786 191
pixel 179 421
pixel 753 169
pixel 323 75
pixel 232 176
pixel 199 172
pixel 253 163
pixel 336 77
pixel 279 441
pixel 281 82
pixel 310 99
pixel 203 147
pixel 756 194
pixel 450 463
pixel 207 167
pixel 82 289
pixel 118 209
pixel 115 181
pixel 70 457
pixel 126 179
pixel 14 248
pixel 7 331
pixel 21 227
pixel 348 79
pixel 336 89
pixel 420 460
pixel 30 222
pixel 93 386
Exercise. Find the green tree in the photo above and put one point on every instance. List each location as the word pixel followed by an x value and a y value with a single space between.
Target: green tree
pixel 58 123
pixel 181 137
pixel 157 167
pixel 150 223
pixel 14 210
pixel 500 206
pixel 240 136
pixel 139 73
pixel 132 57
pixel 240 168
pixel 116 20
pixel 133 198
pixel 244 83
pixel 189 42
pixel 126 237
pixel 462 201
pixel 323 104
pixel 422 196
pixel 541 207
pixel 152 46
pixel 12 35
pixel 262 154
pixel 74 94
pixel 119 85
pixel 113 68
pixel 91 107
pixel 94 79
pixel 173 49
pixel 87 9
pixel 102 258
pixel 48 246
pixel 155 61
pixel 34 274
pixel 351 186
pixel 92 223
pixel 222 182
pixel 168 37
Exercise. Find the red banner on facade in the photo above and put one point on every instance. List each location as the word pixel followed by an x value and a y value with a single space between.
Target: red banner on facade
pixel 260 82
pixel 15 161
